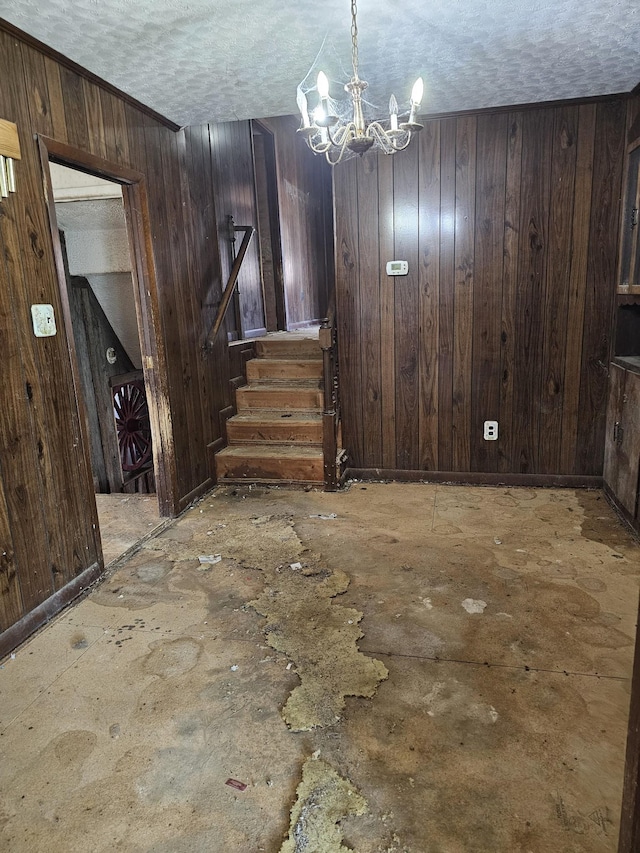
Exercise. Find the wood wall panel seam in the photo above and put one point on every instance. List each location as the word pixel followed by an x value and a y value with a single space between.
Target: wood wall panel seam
pixel 465 172
pixel 488 286
pixel 600 292
pixel 577 286
pixel 509 290
pixel 558 274
pixel 406 238
pixel 429 226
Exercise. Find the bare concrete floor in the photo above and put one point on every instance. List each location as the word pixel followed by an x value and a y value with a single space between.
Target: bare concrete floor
pixel 124 521
pixel 504 617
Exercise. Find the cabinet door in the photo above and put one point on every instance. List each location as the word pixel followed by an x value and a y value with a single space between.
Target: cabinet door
pixel 617 376
pixel 622 446
pixel 630 444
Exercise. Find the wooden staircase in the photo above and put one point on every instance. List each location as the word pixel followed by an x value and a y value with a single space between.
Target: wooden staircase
pixel 276 435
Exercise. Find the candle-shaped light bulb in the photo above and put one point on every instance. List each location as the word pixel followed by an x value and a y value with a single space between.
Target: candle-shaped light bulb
pixel 416 99
pixel 323 85
pixel 393 113
pixel 318 115
pixel 417 92
pixel 302 106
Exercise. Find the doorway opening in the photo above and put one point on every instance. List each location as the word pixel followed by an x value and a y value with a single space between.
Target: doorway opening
pixel 100 263
pixel 98 270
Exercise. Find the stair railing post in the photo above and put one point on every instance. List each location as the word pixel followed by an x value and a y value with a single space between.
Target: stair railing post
pixel 329 425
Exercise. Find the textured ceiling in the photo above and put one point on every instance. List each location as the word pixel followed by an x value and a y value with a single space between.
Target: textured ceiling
pixel 201 60
pixel 94 215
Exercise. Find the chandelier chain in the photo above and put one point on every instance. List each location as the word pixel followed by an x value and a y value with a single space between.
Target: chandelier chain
pixel 354 38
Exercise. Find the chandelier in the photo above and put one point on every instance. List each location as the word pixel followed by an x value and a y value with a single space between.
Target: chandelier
pixel 334 136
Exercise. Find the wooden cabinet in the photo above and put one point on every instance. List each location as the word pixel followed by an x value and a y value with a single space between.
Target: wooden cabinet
pixel 622 447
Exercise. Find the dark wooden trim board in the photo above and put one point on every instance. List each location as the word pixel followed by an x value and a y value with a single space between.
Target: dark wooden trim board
pixel 533 105
pixel 40 615
pixel 476 478
pixel 198 492
pixel 630 522
pixel 78 158
pixel 629 838
pixel 83 72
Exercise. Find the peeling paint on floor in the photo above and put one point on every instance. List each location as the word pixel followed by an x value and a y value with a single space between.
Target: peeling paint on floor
pixel 324 799
pixel 320 637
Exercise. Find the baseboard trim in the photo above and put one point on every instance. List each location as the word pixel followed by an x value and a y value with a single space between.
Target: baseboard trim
pixel 43 613
pixel 632 523
pixel 200 490
pixel 476 478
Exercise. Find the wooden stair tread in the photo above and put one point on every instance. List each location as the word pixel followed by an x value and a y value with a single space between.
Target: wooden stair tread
pixel 271 451
pixel 283 359
pixel 261 384
pixel 276 415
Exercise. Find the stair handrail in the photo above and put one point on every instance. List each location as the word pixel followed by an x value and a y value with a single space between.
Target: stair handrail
pixel 328 338
pixel 231 283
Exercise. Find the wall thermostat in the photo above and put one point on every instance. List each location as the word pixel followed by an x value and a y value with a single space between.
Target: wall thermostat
pixel 397 267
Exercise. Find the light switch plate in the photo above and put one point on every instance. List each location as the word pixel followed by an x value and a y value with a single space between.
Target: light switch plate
pixel 44 321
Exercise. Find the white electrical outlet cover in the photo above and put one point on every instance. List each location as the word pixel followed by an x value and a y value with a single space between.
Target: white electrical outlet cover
pixel 44 321
pixel 491 430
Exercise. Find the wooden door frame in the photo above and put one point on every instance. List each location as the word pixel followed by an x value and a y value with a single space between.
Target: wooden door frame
pixel 154 362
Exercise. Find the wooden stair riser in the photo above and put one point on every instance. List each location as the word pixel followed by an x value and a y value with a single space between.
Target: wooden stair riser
pixel 280 431
pixel 283 368
pixel 269 468
pixel 278 398
pixel 294 349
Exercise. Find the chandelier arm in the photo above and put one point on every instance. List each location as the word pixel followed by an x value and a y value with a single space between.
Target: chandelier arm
pixel 387 142
pixel 343 148
pixel 403 145
pixel 319 148
pixel 343 134
pixel 381 136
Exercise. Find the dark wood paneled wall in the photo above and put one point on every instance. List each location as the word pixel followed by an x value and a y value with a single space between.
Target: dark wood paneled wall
pixel 509 222
pixel 235 196
pixel 306 223
pixel 47 512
